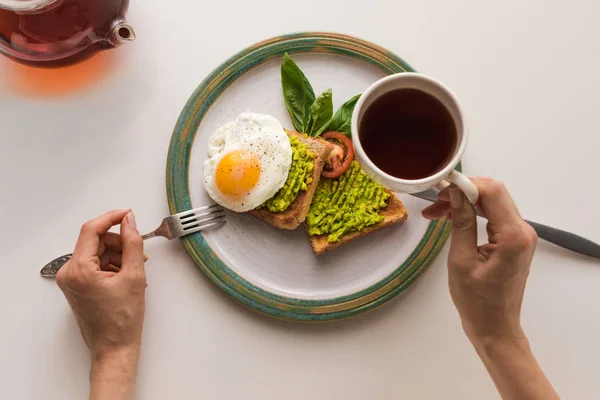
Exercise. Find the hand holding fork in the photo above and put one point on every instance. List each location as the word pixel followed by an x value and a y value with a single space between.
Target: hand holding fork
pixel 173 227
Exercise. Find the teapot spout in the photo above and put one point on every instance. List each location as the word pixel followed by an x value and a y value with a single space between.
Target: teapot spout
pixel 121 33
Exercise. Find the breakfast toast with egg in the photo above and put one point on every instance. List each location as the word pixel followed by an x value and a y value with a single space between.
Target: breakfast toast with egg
pixel 393 213
pixel 296 213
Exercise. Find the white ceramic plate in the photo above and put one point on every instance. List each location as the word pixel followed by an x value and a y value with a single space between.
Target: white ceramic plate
pixel 272 270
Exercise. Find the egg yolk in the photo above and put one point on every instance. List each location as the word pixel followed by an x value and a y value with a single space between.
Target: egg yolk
pixel 237 173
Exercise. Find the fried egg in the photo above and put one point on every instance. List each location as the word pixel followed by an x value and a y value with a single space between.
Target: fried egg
pixel 249 160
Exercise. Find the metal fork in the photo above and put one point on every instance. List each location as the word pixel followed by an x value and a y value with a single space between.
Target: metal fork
pixel 173 227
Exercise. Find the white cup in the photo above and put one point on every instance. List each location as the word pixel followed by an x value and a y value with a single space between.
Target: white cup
pixel 439 180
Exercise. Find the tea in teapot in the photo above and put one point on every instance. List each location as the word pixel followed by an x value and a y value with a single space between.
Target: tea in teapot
pixel 50 33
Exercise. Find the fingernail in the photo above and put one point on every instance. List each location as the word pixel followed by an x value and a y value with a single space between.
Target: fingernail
pixel 456 198
pixel 131 220
pixel 146 258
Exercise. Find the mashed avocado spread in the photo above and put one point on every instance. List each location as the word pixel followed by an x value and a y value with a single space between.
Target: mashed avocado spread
pixel 299 177
pixel 346 204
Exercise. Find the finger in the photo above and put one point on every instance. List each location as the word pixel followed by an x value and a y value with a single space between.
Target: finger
pixel 114 259
pixel 437 210
pixel 111 268
pixel 496 203
pixel 109 241
pixel 111 257
pixel 89 238
pixel 463 246
pixel 133 247
pixel 61 276
pixel 487 250
pixel 444 193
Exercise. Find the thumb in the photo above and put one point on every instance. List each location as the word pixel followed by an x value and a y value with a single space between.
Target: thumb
pixel 133 246
pixel 463 247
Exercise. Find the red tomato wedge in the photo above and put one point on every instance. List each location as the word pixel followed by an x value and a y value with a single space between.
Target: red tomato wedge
pixel 341 157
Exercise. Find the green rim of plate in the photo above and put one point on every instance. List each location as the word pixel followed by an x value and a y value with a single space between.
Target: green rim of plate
pixel 178 192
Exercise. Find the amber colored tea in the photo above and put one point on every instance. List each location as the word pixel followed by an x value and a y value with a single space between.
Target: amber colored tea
pixel 408 134
pixel 60 34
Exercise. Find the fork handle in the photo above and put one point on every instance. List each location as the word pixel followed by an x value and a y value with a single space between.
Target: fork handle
pixel 150 235
pixel 51 269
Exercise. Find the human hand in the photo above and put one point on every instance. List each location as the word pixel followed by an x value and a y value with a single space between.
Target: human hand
pixel 487 282
pixel 108 304
pixel 105 285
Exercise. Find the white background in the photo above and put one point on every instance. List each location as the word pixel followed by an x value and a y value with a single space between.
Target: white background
pixel 527 73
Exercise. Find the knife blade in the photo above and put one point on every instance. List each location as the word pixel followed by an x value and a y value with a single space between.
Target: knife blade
pixel 564 239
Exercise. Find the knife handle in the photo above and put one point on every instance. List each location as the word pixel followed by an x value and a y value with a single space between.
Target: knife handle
pixel 566 239
pixel 559 237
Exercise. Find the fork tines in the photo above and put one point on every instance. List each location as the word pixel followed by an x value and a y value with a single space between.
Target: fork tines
pixel 201 218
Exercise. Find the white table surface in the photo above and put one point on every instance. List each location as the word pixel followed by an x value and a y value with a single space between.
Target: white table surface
pixel 527 73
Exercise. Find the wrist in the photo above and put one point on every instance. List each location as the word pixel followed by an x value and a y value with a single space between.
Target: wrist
pixel 113 373
pixel 123 355
pixel 115 364
pixel 492 348
pixel 514 369
pixel 484 338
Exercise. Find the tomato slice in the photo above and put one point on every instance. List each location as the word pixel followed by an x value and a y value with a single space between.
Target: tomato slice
pixel 341 157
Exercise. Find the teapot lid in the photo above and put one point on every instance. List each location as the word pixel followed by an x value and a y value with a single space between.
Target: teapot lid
pixel 25 5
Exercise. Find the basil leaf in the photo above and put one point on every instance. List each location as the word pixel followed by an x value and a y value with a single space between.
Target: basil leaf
pixel 297 93
pixel 342 120
pixel 321 113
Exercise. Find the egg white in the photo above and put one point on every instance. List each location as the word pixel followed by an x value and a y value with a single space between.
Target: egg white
pixel 263 136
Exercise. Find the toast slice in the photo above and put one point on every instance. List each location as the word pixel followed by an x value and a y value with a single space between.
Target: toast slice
pixel 393 213
pixel 298 210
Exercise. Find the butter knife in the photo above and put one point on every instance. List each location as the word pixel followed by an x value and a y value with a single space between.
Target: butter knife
pixel 559 237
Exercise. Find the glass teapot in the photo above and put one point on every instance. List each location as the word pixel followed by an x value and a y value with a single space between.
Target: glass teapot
pixel 61 32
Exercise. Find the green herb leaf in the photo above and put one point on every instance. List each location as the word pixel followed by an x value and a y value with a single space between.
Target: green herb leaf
pixel 342 120
pixel 321 113
pixel 297 93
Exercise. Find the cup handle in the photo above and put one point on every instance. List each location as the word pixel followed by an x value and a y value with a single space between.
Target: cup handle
pixel 464 183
